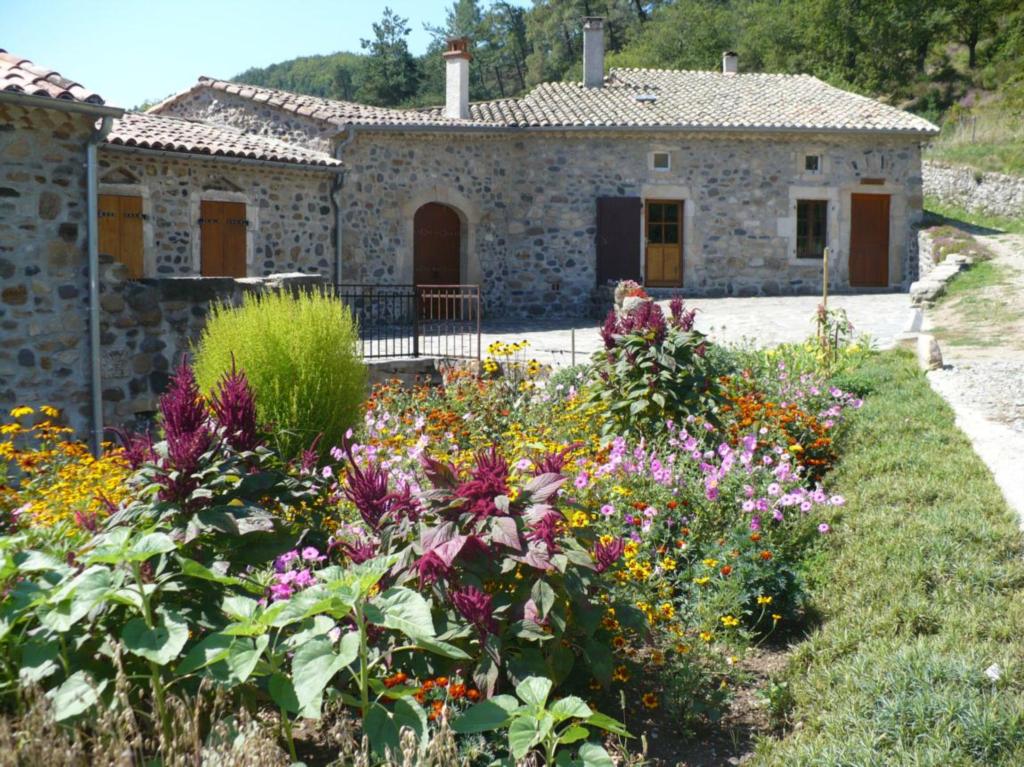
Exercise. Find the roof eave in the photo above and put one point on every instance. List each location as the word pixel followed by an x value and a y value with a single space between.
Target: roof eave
pixel 60 105
pixel 922 133
pixel 224 158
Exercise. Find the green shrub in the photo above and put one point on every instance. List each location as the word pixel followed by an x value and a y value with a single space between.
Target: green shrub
pixel 301 356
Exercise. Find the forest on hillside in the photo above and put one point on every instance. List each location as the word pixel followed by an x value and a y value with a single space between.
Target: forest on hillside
pixel 935 57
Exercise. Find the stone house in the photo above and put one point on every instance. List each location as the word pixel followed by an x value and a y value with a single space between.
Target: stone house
pixel 96 205
pixel 712 183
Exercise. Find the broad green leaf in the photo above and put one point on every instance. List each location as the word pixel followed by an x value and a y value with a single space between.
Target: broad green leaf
pixel 593 755
pixel 381 729
pixel 488 715
pixel 543 596
pixel 409 713
pixel 523 734
pixel 149 546
pixel 77 694
pixel 605 722
pixel 240 608
pixel 313 666
pixel 244 655
pixel 569 707
pixel 160 644
pixel 211 649
pixel 36 561
pixel 283 693
pixel 534 691
pixel 194 569
pixel 573 735
pixel 444 649
pixel 38 661
pixel 405 610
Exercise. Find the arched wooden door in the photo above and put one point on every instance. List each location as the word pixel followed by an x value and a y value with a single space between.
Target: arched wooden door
pixel 437 245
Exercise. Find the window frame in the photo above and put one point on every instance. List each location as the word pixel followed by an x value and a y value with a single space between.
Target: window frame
pixel 821 206
pixel 652 161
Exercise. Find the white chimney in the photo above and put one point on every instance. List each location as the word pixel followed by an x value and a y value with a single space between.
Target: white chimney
pixel 456 79
pixel 730 63
pixel 593 51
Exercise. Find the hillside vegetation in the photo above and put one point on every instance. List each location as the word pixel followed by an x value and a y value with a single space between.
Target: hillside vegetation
pixel 943 59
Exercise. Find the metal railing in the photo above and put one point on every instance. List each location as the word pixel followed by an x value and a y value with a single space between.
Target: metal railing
pixel 415 320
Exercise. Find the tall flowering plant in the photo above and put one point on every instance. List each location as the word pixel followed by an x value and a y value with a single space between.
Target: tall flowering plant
pixel 652 369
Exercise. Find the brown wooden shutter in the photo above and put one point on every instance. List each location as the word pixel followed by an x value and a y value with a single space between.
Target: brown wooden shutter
pixel 120 230
pixel 223 230
pixel 618 238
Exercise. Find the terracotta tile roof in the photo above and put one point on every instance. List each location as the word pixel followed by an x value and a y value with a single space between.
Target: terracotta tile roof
pixel 19 75
pixel 632 98
pixel 174 134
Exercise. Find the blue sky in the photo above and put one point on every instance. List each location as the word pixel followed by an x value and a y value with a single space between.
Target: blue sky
pixel 129 51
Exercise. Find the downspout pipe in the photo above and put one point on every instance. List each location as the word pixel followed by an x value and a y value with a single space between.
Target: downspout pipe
pixel 336 202
pixel 92 225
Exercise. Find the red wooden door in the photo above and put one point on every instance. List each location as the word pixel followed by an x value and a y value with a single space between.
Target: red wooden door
pixel 437 245
pixel 222 245
pixel 869 240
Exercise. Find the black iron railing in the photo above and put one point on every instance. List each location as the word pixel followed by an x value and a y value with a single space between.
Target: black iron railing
pixel 415 320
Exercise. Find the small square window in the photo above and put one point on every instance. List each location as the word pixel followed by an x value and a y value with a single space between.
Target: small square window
pixel 661 161
pixel 812 163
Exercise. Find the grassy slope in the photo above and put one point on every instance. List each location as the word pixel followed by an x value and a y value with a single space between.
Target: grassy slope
pixel 957 215
pixel 1001 157
pixel 921 590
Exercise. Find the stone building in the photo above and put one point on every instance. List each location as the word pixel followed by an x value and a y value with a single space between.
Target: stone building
pixel 712 183
pixel 97 205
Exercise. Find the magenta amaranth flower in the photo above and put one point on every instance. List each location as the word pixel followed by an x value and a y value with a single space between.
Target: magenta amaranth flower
pixel 87 521
pixel 234 407
pixel 489 479
pixel 607 554
pixel 476 607
pixel 680 317
pixel 546 530
pixel 187 430
pixel 431 568
pixel 609 330
pixel 137 448
pixel 553 462
pixel 368 490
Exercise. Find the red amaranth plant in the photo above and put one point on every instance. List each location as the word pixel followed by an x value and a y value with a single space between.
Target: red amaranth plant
pixel 489 480
pixel 187 431
pixel 234 406
pixel 476 607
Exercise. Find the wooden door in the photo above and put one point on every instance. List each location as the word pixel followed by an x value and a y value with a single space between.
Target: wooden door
pixel 869 240
pixel 618 239
pixel 223 238
pixel 664 253
pixel 120 230
pixel 437 245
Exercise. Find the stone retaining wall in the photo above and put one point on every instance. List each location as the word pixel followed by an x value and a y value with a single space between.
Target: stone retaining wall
pixel 147 326
pixel 996 194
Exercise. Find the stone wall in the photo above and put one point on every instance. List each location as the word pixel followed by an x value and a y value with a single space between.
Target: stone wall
pixel 528 206
pixel 43 254
pixel 996 194
pixel 148 326
pixel 291 221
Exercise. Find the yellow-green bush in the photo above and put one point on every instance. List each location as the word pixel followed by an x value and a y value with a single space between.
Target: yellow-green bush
pixel 302 359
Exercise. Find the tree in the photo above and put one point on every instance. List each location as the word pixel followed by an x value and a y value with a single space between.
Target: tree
pixel 391 75
pixel 971 20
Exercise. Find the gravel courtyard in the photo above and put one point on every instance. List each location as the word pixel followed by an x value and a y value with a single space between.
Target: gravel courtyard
pixel 761 321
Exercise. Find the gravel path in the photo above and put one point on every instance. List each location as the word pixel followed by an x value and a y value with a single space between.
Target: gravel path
pixel 985 385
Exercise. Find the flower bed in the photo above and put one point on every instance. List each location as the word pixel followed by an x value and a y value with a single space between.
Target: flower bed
pixel 514 552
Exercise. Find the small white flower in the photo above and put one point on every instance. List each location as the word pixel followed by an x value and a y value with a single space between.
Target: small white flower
pixel 994 672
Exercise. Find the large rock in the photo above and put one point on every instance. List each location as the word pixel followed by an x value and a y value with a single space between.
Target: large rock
pixel 929 355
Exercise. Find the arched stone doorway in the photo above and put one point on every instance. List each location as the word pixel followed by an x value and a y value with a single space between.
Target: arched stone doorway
pixel 437 245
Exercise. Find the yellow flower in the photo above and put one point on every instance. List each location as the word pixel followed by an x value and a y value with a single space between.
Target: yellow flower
pixel 579 519
pixel 10 428
pixel 50 412
pixel 630 550
pixel 711 563
pixel 702 580
pixel 668 564
pixel 18 412
pixel 620 674
pixel 764 600
pixel 707 636
pixel 776 617
pixel 795 449
pixel 657 657
pixel 729 621
pixel 667 611
pixel 650 700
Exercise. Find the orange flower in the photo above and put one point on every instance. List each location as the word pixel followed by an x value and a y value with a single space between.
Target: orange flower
pixel 457 690
pixel 473 694
pixel 755 537
pixel 650 700
pixel 766 555
pixel 726 570
pixel 395 679
pixel 441 681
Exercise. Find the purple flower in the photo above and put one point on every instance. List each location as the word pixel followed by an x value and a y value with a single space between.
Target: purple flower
pixel 310 554
pixel 476 607
pixel 546 530
pixel 234 406
pixel 608 510
pixel 187 431
pixel 489 479
pixel 431 568
pixel 823 528
pixel 282 562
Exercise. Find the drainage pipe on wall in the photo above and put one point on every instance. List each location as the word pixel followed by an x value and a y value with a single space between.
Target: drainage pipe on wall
pixel 336 202
pixel 92 226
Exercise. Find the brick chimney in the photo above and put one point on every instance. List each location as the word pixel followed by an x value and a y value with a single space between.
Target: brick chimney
pixel 456 79
pixel 730 63
pixel 593 51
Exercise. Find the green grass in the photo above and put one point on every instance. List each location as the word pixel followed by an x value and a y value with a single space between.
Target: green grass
pixel 956 215
pixel 977 309
pixel 920 589
pixel 1000 157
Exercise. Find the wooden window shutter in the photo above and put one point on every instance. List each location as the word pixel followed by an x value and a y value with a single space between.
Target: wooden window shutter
pixel 223 238
pixel 120 230
pixel 619 224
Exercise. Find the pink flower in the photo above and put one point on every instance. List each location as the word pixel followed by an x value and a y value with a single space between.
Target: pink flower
pixel 823 528
pixel 608 510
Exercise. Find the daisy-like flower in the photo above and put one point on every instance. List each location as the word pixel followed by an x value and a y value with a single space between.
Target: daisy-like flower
pixel 650 700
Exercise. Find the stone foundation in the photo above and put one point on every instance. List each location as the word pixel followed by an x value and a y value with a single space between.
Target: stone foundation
pixel 996 194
